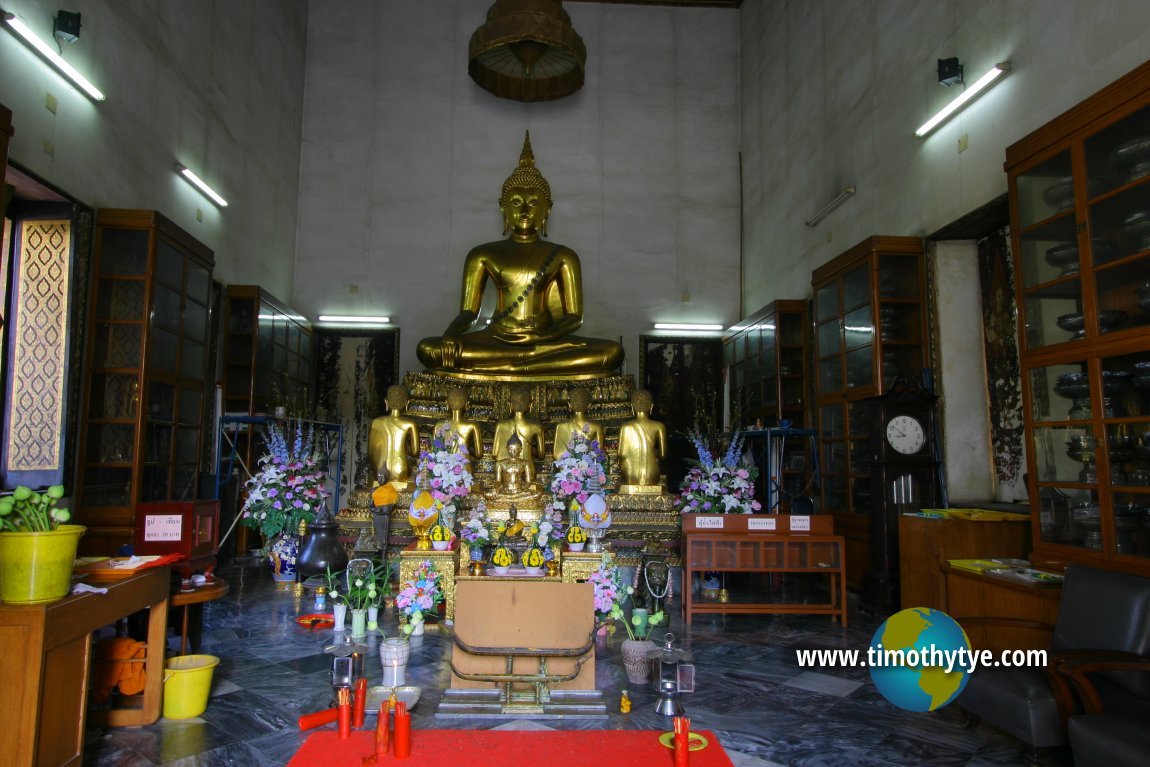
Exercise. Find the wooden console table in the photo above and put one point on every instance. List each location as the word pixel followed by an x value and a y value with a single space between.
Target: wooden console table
pixel 746 552
pixel 47 651
pixel 976 595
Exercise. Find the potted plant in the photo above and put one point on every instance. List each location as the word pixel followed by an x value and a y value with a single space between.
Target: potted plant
pixel 635 650
pixel 37 547
pixel 288 489
pixel 361 586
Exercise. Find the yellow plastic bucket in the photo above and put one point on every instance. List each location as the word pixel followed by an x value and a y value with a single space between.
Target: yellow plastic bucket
pixel 37 567
pixel 187 682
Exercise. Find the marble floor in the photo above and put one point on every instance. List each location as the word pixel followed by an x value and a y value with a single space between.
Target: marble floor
pixel 765 709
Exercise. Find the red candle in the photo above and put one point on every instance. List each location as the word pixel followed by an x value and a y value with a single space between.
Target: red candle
pixel 402 731
pixel 357 713
pixel 344 714
pixel 682 741
pixel 307 721
pixel 382 730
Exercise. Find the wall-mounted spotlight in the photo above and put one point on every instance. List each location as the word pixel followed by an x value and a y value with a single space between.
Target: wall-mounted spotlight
pixel 842 197
pixel 33 41
pixel 688 326
pixel 972 90
pixel 202 185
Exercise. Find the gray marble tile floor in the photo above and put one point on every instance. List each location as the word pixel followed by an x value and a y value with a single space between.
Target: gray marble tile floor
pixel 751 692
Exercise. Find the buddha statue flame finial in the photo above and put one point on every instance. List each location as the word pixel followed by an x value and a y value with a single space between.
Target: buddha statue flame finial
pixel 526 174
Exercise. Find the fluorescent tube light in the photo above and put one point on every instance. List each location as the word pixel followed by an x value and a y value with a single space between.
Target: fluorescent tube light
pixel 842 197
pixel 351 319
pixel 202 185
pixel 52 57
pixel 973 90
pixel 686 326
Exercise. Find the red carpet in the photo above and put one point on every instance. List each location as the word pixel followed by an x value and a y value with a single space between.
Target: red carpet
pixel 557 748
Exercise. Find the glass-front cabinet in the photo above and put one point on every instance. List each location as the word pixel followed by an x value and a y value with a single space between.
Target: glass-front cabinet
pixel 869 330
pixel 1080 210
pixel 143 427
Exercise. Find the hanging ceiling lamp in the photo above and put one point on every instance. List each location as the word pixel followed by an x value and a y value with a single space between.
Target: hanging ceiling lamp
pixel 527 51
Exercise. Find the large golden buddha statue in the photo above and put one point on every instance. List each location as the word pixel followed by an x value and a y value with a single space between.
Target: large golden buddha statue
pixel 642 445
pixel 393 442
pixel 539 299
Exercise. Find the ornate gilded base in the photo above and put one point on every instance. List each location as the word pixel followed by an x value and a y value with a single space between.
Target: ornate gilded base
pixel 642 489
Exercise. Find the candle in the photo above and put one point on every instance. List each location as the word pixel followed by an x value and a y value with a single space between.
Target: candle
pixel 402 731
pixel 307 721
pixel 360 702
pixel 344 713
pixel 682 741
pixel 382 731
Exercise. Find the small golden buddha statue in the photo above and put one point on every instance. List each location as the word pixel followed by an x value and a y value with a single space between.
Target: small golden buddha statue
pixel 515 476
pixel 642 444
pixel 539 299
pixel 470 432
pixel 520 424
pixel 580 400
pixel 394 439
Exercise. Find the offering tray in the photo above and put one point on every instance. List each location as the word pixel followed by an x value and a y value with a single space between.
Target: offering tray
pixel 1027 575
pixel 377 695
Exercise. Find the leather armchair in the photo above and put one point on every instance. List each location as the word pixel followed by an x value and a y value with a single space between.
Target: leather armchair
pixel 1100 611
pixel 1101 738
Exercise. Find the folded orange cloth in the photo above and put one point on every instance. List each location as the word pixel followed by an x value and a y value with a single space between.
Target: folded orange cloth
pixel 109 671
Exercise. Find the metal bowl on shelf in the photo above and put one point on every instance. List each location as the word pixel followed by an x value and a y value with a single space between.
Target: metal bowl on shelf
pixel 1111 319
pixel 1060 194
pixel 1072 323
pixel 1130 154
pixel 1072 385
pixel 1128 516
pixel 1087 516
pixel 1137 227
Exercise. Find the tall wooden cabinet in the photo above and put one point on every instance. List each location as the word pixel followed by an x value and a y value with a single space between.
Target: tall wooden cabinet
pixel 146 373
pixel 870 329
pixel 267 362
pixel 766 360
pixel 1080 220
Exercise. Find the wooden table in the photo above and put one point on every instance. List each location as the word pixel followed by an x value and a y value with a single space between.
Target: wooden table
pixel 47 651
pixel 192 603
pixel 760 553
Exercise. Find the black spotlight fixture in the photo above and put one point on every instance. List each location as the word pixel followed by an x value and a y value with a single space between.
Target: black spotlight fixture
pixel 949 72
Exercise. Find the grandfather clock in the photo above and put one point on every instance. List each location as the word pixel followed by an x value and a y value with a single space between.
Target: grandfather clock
pixel 905 477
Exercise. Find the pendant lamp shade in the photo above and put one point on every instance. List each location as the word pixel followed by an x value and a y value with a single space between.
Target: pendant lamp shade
pixel 527 51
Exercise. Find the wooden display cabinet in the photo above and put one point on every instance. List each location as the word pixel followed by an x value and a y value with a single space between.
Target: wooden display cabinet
pixel 870 329
pixel 267 362
pixel 144 391
pixel 768 386
pixel 1080 222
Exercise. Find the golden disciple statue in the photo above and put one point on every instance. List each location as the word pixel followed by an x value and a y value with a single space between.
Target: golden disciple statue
pixel 520 424
pixel 642 444
pixel 539 299
pixel 394 440
pixel 470 433
pixel 580 400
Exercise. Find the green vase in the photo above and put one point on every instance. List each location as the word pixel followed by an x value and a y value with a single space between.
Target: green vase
pixel 359 623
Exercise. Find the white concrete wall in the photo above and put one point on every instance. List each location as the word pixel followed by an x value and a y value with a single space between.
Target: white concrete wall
pixel 404 156
pixel 833 90
pixel 214 84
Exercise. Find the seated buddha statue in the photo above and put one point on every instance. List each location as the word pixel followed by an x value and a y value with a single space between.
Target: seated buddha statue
pixel 394 440
pixel 519 424
pixel 514 475
pixel 539 299
pixel 470 433
pixel 642 444
pixel 580 400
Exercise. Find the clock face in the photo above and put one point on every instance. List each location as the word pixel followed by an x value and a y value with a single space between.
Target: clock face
pixel 905 434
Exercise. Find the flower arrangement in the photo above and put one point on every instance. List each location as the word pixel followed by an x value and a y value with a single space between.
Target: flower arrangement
pixel 27 511
pixel 547 531
pixel 610 592
pixel 418 594
pixel 618 616
pixel 579 472
pixel 443 470
pixel 288 487
pixel 477 530
pixel 719 486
